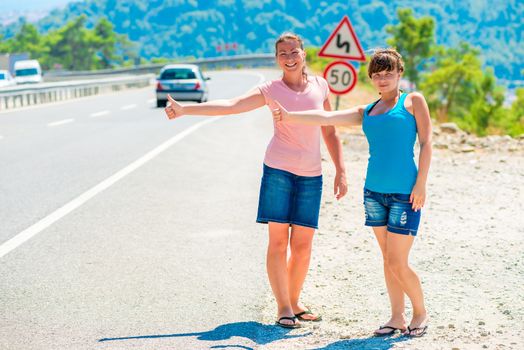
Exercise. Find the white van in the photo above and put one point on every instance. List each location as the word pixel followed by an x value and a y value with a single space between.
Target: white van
pixel 28 71
pixel 5 78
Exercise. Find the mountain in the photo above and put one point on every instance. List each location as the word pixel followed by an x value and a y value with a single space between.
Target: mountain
pixel 11 10
pixel 181 28
pixel 31 5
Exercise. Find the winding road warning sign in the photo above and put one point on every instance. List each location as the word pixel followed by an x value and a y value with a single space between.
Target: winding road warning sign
pixel 343 43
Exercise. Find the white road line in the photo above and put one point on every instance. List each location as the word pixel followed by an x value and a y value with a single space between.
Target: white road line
pixel 60 122
pixel 1 137
pixel 44 223
pixel 93 191
pixel 151 100
pixel 99 114
pixel 124 108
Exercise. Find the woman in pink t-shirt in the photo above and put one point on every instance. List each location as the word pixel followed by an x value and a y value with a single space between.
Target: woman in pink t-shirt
pixel 291 186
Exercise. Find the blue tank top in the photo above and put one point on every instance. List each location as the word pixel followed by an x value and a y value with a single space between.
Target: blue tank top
pixel 391 137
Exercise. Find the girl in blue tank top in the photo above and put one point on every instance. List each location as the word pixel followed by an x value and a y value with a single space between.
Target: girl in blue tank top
pixel 395 190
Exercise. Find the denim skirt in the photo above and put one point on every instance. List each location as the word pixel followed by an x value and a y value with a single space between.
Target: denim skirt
pixel 289 198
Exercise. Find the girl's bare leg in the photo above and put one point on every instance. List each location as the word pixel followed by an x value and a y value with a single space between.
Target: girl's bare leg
pixel 398 247
pixel 395 291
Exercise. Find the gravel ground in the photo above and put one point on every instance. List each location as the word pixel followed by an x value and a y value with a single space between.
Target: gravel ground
pixel 469 254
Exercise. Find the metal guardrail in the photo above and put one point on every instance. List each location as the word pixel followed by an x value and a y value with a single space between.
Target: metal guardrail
pixel 27 95
pixel 252 61
pixel 103 81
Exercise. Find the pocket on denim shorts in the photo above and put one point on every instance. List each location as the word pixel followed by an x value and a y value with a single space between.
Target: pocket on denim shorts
pixel 366 194
pixel 401 197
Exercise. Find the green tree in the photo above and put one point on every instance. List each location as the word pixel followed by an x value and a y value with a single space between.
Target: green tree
pixel 517 107
pixel 73 46
pixel 451 85
pixel 515 124
pixel 106 41
pixel 414 39
pixel 458 89
pixel 487 109
pixel 126 49
pixel 111 47
pixel 27 40
pixel 4 47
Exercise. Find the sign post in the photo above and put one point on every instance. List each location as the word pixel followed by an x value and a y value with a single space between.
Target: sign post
pixel 342 43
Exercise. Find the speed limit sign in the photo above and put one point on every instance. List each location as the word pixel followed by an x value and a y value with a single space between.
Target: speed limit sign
pixel 341 77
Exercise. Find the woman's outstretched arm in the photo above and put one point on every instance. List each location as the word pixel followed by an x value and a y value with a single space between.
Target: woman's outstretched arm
pixel 247 102
pixel 346 117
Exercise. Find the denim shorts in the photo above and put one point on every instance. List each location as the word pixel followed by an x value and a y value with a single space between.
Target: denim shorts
pixel 392 210
pixel 289 198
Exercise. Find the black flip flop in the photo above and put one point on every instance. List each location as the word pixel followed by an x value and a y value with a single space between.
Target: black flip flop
pixel 284 325
pixel 416 335
pixel 308 312
pixel 385 334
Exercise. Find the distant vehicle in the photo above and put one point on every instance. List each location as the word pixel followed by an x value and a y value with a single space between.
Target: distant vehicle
pixel 183 82
pixel 28 71
pixel 8 60
pixel 5 78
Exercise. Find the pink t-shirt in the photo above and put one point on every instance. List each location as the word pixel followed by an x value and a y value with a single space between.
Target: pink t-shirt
pixel 295 147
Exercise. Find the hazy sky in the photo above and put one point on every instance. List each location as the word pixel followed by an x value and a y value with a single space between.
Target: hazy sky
pixel 30 5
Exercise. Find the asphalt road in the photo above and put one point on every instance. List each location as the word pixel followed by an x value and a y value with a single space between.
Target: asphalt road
pixel 140 232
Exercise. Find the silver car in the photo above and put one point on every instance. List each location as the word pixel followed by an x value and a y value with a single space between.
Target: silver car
pixel 183 82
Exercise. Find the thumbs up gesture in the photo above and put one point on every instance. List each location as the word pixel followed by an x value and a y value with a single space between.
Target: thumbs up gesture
pixel 279 113
pixel 173 109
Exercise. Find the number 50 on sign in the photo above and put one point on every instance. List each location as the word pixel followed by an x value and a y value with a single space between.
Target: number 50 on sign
pixel 341 77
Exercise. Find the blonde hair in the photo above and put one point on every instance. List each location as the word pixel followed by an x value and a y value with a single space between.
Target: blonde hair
pixel 288 36
pixel 385 60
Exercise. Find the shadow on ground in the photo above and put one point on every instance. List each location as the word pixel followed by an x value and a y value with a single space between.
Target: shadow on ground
pixel 256 332
pixel 372 343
